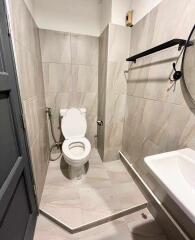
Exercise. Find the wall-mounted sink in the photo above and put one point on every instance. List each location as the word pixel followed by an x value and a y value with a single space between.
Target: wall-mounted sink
pixel 175 171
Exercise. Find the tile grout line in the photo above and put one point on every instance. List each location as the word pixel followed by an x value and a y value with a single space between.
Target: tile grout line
pixel 159 100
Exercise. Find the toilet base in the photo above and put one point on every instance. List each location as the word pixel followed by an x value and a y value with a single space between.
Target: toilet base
pixel 76 173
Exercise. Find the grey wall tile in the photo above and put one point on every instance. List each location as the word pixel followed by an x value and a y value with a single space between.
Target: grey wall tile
pixel 57 77
pixel 118 47
pixel 71 81
pixel 55 46
pixel 116 78
pixel 25 36
pixel 85 78
pixel 113 103
pixel 84 49
pixel 112 83
pixel 102 82
pixel 25 71
pixel 157 120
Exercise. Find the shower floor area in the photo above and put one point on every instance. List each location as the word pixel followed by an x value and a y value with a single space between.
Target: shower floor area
pixel 106 192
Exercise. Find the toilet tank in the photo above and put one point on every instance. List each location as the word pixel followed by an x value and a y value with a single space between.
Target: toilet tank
pixel 64 110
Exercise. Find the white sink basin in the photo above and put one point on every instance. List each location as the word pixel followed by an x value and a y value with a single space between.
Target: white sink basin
pixel 175 171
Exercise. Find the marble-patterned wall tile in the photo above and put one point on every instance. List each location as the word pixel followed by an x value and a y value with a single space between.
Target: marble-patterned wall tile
pixel 84 49
pixel 55 46
pixel 103 46
pixel 25 71
pixel 31 110
pixel 102 92
pixel 149 77
pixel 39 83
pixel 85 78
pixel 58 100
pixel 114 120
pixel 142 33
pixel 115 95
pixel 147 33
pixel 91 133
pixel 71 84
pixel 102 81
pixel 116 78
pixel 137 78
pixel 175 27
pixel 27 32
pixel 21 17
pixel 57 77
pixel 158 76
pixel 157 120
pixel 89 100
pixel 118 47
pixel 37 153
pixel 186 138
pixel 143 126
pixel 25 37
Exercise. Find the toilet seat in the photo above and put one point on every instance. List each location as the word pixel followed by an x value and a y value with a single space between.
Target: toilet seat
pixel 69 145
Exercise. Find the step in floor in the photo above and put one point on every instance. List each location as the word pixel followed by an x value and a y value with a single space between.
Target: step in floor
pixel 106 190
pixel 130 227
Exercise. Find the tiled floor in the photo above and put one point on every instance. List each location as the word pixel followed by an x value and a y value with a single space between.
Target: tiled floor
pixel 131 227
pixel 106 189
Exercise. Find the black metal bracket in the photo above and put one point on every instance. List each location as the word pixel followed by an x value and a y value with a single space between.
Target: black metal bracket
pixel 171 43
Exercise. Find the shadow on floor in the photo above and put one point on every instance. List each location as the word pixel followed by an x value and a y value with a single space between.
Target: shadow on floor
pixel 64 168
pixel 148 230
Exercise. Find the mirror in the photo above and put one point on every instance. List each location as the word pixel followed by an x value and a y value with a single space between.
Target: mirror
pixel 188 65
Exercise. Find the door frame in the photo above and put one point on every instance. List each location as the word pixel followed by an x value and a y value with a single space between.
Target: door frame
pixel 25 148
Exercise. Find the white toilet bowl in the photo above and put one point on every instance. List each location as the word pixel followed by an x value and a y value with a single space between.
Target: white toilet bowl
pixel 76 148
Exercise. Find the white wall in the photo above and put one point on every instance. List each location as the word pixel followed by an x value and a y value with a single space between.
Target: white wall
pixel 114 11
pixel 80 16
pixel 88 17
pixel 119 11
pixel 142 8
pixel 105 13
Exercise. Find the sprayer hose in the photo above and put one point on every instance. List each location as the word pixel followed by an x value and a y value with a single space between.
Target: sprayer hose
pixel 51 149
pixel 52 131
pixel 56 144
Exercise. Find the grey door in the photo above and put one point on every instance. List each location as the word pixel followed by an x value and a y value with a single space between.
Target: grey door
pixel 18 209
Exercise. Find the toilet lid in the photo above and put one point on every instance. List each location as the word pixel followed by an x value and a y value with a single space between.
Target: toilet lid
pixel 73 124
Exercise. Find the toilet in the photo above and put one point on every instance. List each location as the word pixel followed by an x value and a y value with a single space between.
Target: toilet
pixel 76 147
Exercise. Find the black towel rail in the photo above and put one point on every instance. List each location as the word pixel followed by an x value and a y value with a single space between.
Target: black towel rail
pixel 171 43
